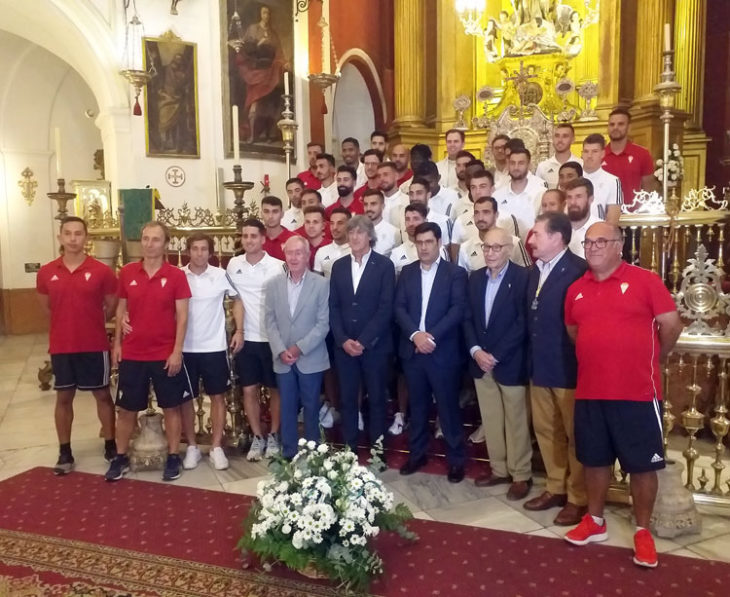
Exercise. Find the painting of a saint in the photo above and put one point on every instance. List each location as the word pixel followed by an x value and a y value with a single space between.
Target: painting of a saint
pixel 256 70
pixel 171 102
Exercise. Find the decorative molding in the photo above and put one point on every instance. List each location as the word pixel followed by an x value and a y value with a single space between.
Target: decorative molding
pixel 28 185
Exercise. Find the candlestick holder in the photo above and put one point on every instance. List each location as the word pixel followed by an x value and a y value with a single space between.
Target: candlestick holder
pixel 667 89
pixel 239 187
pixel 62 197
pixel 288 127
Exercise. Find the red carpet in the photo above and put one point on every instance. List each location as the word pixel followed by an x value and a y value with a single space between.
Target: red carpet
pixel 152 539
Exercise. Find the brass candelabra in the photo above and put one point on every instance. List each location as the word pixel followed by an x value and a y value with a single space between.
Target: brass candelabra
pixel 62 198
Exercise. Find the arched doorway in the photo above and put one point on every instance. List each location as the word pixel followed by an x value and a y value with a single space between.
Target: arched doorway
pixel 353 114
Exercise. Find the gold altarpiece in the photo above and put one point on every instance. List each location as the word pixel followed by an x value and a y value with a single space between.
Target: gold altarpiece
pixel 620 53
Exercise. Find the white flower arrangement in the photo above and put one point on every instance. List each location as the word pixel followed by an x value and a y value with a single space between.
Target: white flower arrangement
pixel 319 512
pixel 675 166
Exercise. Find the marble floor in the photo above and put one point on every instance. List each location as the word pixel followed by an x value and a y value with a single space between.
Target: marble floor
pixel 27 439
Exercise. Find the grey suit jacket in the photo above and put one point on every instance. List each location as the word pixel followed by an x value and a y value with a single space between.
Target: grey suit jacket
pixel 307 328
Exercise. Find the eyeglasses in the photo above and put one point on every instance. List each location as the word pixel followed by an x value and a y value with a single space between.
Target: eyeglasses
pixel 599 243
pixel 493 248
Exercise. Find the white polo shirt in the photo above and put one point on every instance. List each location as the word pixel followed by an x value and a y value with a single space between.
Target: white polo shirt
pixel 501 177
pixel 465 228
pixel 443 201
pixel 329 194
pixel 293 218
pixel 579 235
pixel 461 206
pixel 471 254
pixel 389 237
pixel 393 204
pixel 548 169
pixel 447 170
pixel 325 257
pixel 606 191
pixel 524 206
pixel 406 253
pixel 250 281
pixel 206 330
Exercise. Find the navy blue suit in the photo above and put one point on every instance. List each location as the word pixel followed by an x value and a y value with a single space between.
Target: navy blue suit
pixel 364 316
pixel 437 373
pixel 504 335
pixel 551 360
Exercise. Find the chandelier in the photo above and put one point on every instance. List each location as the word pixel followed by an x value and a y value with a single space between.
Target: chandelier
pixel 470 13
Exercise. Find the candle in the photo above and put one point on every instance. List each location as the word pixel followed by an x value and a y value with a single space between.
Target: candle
pixel 57 135
pixel 286 83
pixel 219 197
pixel 667 38
pixel 236 141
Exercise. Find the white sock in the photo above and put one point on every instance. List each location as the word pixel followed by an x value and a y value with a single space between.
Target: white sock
pixel 638 528
pixel 598 520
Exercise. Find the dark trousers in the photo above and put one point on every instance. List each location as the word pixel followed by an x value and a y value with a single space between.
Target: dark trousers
pixel 424 379
pixel 371 371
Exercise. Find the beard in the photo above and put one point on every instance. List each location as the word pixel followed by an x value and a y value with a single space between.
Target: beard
pixel 344 191
pixel 576 214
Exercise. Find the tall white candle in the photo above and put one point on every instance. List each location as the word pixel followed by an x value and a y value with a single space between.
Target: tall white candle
pixel 667 38
pixel 57 136
pixel 236 141
pixel 286 83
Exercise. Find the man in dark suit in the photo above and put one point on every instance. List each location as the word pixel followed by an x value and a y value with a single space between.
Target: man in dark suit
pixel 430 301
pixel 553 367
pixel 361 309
pixel 495 331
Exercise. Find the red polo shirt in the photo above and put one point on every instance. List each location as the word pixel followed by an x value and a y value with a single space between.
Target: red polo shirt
pixel 273 246
pixel 327 234
pixel 76 300
pixel 310 180
pixel 313 249
pixel 361 191
pixel 355 208
pixel 151 308
pixel 629 166
pixel 618 343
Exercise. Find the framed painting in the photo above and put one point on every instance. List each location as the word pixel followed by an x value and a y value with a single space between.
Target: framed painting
pixel 171 97
pixel 256 52
pixel 93 200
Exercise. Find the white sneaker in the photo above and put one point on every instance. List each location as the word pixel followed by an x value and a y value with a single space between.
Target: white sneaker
pixel 218 459
pixel 439 434
pixel 272 445
pixel 360 422
pixel 326 416
pixel 478 436
pixel 256 451
pixel 397 427
pixel 192 457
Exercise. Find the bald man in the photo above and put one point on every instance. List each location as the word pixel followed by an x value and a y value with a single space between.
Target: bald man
pixel 400 155
pixel 624 322
pixel 495 330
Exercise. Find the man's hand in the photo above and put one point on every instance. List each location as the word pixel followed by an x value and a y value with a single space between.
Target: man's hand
pixel 352 347
pixel 126 327
pixel 424 342
pixel 116 354
pixel 485 360
pixel 237 341
pixel 173 364
pixel 290 355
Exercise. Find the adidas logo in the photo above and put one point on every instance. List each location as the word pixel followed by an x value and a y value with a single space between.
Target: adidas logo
pixel 186 394
pixel 239 271
pixel 578 296
pixel 403 257
pixel 54 278
pixel 163 282
pixel 133 283
pixel 473 253
pixel 326 258
pixel 87 275
pixel 656 458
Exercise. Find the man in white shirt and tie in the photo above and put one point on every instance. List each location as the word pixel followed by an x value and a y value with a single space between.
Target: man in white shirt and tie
pixel 563 138
pixel 607 197
pixel 455 140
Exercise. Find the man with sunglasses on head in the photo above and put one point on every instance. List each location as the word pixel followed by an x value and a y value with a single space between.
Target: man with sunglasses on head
pixel 624 322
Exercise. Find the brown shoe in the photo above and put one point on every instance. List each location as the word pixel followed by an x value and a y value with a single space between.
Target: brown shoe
pixel 570 515
pixel 545 501
pixel 519 490
pixel 490 480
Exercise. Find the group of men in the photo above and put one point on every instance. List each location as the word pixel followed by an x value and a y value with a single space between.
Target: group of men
pixel 359 280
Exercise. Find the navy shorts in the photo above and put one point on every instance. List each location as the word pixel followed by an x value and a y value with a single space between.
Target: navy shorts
pixel 255 365
pixel 82 370
pixel 135 378
pixel 211 368
pixel 625 429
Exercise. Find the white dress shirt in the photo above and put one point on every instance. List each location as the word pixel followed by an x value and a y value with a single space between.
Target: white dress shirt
pixel 329 194
pixel 606 191
pixel 427 278
pixel 524 206
pixel 447 170
pixel 389 237
pixel 293 218
pixel 579 235
pixel 206 328
pixel 293 291
pixel 548 169
pixel 358 269
pixel 250 282
pixel 546 269
pixel 325 257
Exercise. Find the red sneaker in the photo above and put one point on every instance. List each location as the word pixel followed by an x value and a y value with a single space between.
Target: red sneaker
pixel 644 550
pixel 587 532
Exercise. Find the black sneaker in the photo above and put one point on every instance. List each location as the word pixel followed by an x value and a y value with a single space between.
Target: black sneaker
pixel 118 467
pixel 110 451
pixel 64 465
pixel 172 468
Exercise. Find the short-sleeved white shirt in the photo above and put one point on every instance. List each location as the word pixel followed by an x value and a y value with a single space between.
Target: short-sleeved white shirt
pixel 393 206
pixel 293 218
pixel 443 201
pixel 329 194
pixel 579 235
pixel 325 257
pixel 524 206
pixel 250 282
pixel 206 330
pixel 388 237
pixel 606 191
pixel 465 228
pixel 548 169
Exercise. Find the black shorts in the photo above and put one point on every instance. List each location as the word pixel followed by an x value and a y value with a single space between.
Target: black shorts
pixel 212 368
pixel 254 365
pixel 625 429
pixel 134 385
pixel 82 370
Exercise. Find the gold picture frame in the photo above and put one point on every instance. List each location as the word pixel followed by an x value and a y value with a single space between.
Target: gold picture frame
pixel 93 199
pixel 172 123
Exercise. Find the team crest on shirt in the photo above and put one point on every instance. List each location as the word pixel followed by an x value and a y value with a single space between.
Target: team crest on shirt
pixel 163 281
pixel 624 287
pixel 87 275
pixel 54 278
